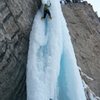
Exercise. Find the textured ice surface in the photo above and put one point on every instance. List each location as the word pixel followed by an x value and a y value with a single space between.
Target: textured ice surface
pixel 52 71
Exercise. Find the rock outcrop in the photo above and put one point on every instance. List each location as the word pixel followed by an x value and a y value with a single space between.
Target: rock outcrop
pixel 84 28
pixel 16 18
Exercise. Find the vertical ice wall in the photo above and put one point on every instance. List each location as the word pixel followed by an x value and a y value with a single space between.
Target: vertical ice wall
pixel 51 67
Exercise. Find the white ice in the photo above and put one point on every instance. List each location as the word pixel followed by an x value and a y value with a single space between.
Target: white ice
pixel 52 71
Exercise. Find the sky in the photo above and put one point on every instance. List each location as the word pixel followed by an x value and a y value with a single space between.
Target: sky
pixel 96 5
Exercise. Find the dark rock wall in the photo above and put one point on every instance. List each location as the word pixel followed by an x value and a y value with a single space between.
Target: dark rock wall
pixel 16 18
pixel 84 28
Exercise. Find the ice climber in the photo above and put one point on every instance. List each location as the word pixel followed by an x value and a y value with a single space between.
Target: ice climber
pixel 46 11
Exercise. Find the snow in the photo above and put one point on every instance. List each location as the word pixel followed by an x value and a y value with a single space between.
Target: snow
pixel 52 70
pixel 89 93
pixel 85 75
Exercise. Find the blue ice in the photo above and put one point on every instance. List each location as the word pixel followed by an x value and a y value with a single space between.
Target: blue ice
pixel 52 70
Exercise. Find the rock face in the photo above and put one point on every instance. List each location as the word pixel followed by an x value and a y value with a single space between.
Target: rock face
pixel 15 24
pixel 84 28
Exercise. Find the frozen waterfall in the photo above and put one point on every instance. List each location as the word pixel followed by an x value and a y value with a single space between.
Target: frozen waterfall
pixel 52 72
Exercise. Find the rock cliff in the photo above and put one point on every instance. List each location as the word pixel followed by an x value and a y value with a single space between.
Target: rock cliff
pixel 84 28
pixel 16 19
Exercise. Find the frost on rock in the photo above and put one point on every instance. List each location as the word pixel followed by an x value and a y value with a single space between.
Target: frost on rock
pixel 52 72
pixel 90 95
